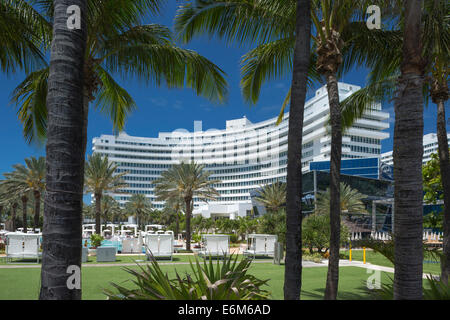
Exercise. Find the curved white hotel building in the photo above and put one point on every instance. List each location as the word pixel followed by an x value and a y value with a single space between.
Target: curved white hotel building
pixel 244 156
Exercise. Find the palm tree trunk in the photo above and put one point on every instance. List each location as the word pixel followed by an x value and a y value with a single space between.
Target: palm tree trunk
pixel 444 163
pixel 98 212
pixel 408 153
pixel 293 264
pixel 14 212
pixel 335 171
pixel 37 209
pixel 64 157
pixel 24 214
pixel 188 223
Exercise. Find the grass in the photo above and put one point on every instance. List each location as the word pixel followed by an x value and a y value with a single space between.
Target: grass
pixel 23 284
pixel 378 259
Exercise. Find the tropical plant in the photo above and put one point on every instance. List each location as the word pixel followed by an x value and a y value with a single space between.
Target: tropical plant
pixel 432 180
pixel 271 25
pixel 175 205
pixel 140 207
pixel 21 37
pixel 387 64
pixel 63 200
pixel 434 220
pixel 316 233
pixel 28 181
pixel 273 223
pixel 96 240
pixel 350 201
pixel 186 181
pixel 273 196
pixel 111 210
pixel 101 177
pixel 224 281
pixel 25 182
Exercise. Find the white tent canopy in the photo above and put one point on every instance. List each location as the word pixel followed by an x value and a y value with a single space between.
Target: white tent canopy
pixel 215 245
pixel 261 244
pixel 159 245
pixel 23 245
pixel 132 226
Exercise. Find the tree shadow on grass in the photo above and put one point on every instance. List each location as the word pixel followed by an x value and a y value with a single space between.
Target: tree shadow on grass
pixel 359 293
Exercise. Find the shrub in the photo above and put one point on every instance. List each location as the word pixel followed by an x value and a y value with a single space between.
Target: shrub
pixel 316 233
pixel 224 281
pixel 274 223
pixel 96 240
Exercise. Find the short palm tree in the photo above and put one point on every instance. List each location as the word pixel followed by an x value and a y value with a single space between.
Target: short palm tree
pixel 140 207
pixel 273 196
pixel 175 205
pixel 186 181
pixel 351 201
pixel 101 177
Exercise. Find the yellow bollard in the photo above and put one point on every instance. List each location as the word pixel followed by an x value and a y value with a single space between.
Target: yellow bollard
pixel 364 255
pixel 350 254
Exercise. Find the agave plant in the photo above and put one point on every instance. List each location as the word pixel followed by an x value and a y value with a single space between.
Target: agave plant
pixel 227 280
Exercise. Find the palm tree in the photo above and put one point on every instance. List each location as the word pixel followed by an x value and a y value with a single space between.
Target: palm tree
pixel 139 206
pixel 65 161
pixel 127 47
pixel 386 69
pixel 111 209
pixel 22 31
pixel 27 181
pixel 271 25
pixel 273 196
pixel 408 152
pixel 101 177
pixel 351 201
pixel 186 181
pixel 175 205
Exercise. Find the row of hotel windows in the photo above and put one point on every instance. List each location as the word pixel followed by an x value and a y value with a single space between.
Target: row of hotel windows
pixel 364 140
pixel 365 149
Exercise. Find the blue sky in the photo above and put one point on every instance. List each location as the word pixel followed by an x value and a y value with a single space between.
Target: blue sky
pixel 160 109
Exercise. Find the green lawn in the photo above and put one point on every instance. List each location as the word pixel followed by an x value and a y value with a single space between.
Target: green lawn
pixel 24 283
pixel 378 259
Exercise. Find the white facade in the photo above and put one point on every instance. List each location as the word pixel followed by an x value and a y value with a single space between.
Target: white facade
pixel 244 156
pixel 430 146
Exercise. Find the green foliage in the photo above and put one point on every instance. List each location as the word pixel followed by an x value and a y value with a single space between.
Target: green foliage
pixel 432 184
pixel 96 240
pixel 273 196
pixel 223 281
pixel 274 223
pixel 316 233
pixel 386 248
pixel 350 199
pixel 315 257
pixel 434 220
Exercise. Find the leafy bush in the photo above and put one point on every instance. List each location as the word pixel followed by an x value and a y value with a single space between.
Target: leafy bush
pixel 316 233
pixel 315 257
pixel 196 237
pixel 224 281
pixel 96 240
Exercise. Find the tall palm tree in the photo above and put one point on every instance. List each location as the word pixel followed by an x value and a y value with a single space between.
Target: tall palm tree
pixel 271 25
pixel 186 181
pixel 64 154
pixel 101 177
pixel 386 66
pixel 408 152
pixel 273 196
pixel 140 207
pixel 27 181
pixel 128 48
pixel 21 36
